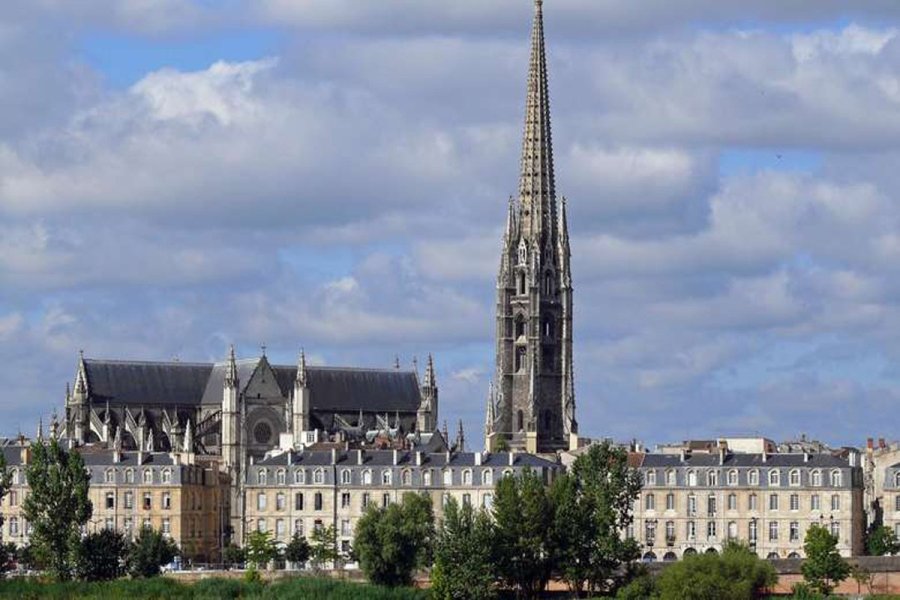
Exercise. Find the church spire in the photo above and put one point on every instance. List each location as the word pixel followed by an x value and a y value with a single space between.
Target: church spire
pixel 430 379
pixel 537 187
pixel 231 376
pixel 301 369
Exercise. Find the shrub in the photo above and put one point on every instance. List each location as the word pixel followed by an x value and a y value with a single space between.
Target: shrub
pixel 101 556
pixel 150 551
pixel 736 574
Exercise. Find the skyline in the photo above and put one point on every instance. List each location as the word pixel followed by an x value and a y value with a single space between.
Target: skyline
pixel 707 167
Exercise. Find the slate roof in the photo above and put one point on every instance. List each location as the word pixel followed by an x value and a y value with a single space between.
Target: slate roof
pixel 743 460
pixel 151 383
pixel 190 384
pixel 12 454
pixel 386 458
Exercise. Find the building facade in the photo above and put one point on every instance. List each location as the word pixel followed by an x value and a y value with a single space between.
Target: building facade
pixel 171 492
pixel 298 492
pixel 696 502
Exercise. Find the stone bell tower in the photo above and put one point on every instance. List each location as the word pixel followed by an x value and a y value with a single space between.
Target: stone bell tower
pixel 532 402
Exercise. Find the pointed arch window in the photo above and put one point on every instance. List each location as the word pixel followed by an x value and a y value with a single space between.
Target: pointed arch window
pixel 520 327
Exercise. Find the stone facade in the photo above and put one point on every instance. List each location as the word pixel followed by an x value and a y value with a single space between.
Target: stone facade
pixel 301 491
pixel 173 493
pixel 695 502
pixel 531 405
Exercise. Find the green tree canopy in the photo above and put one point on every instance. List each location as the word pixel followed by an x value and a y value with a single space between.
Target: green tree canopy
pixel 463 568
pixel 261 548
pixel 150 551
pixel 57 505
pixel 593 505
pixel 391 542
pixel 736 574
pixel 882 541
pixel 824 567
pixel 233 555
pixel 297 551
pixel 101 556
pixel 523 521
pixel 323 546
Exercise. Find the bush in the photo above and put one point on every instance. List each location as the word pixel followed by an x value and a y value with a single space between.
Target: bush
pixel 101 556
pixel 150 551
pixel 640 588
pixel 736 574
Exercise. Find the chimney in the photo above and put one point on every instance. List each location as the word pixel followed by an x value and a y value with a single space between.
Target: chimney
pixel 870 444
pixel 290 457
pixel 478 459
pixel 359 457
pixel 765 456
pixel 334 456
pixel 140 457
pixel 512 458
pixel 418 458
pixel 721 455
pixel 806 456
pixel 683 454
pixel 25 455
pixel 881 443
pixel 396 457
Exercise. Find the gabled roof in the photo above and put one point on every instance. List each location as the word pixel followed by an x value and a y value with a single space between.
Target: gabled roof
pixel 348 390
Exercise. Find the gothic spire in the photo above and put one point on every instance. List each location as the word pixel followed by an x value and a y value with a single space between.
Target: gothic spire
pixel 489 413
pixel 460 438
pixel 301 369
pixel 537 187
pixel 231 377
pixel 430 379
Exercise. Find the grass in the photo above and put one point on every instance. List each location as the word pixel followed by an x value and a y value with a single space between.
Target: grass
pixel 208 589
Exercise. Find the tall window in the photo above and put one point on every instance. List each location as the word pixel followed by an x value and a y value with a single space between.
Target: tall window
pixel 752 502
pixel 732 530
pixel 279 501
pixel 670 478
pixel 299 476
pixel 298 501
pixel 129 476
pixel 167 476
pixel 711 530
pixel 733 477
pixel 318 501
pixel 692 505
pixel 752 530
pixel 753 477
pixel 773 530
pixel 773 501
pixel 795 502
pixel 319 477
pixel 691 530
pixel 345 477
pixel 148 476
pixel 261 501
pixel 406 478
pixel 835 502
pixel 110 476
pixel 367 477
pixel 467 477
pixel 649 502
pixel 712 478
pixel 345 500
pixel 774 477
pixel 711 505
pixel 836 529
pixel 814 502
pixel 129 499
pixel 280 477
pixel 386 477
pixel 670 501
pixel 650 531
pixel 426 477
pixel 261 477
pixel 692 478
pixel 487 477
pixel 816 478
pixel 651 477
pixel 448 477
pixel 794 478
pixel 732 501
pixel 670 531
pixel 794 534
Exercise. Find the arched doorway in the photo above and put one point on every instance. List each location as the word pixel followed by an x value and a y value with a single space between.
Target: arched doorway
pixel 670 557
pixel 649 557
pixel 712 551
pixel 690 552
pixel 793 555
pixel 772 556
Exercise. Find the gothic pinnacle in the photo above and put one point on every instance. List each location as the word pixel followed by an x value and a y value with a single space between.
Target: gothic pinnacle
pixel 301 368
pixel 231 372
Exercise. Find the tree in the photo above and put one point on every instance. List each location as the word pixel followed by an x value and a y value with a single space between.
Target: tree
pixel 523 520
pixel 463 567
pixel 882 541
pixel 297 550
pixel 592 506
pixel 392 542
pixel 7 558
pixel 323 546
pixel 736 574
pixel 5 484
pixel 57 506
pixel 261 549
pixel 862 577
pixel 101 556
pixel 824 567
pixel 233 556
pixel 150 551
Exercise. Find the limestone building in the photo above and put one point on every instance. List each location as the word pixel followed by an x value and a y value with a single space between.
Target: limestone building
pixel 531 405
pixel 299 491
pixel 185 499
pixel 696 501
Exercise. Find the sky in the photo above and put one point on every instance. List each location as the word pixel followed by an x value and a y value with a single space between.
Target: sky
pixel 180 175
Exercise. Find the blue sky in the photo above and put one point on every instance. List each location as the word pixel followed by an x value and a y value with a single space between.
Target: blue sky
pixel 333 174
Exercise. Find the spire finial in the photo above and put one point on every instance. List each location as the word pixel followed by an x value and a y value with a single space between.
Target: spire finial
pixel 301 368
pixel 430 378
pixel 537 186
pixel 231 378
